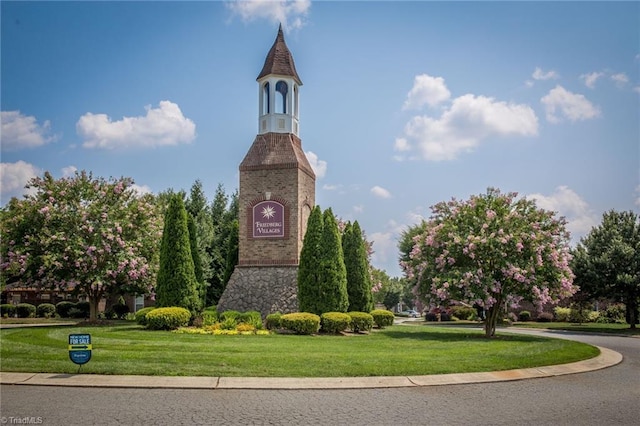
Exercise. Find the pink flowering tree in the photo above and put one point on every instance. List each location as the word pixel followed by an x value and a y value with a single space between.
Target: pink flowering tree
pixel 88 235
pixel 494 250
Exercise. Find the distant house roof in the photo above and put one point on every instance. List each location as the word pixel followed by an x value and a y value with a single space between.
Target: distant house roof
pixel 279 60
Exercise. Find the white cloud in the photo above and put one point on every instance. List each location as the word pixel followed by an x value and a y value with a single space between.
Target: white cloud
pixel 559 103
pixel 468 121
pixel 401 145
pixel 426 90
pixel 14 177
pixel 538 74
pixel 140 189
pixel 380 192
pixel 620 79
pixel 564 201
pixel 384 248
pixel 162 126
pixel 292 14
pixel 328 187
pixel 69 171
pixel 591 78
pixel 319 166
pixel 22 131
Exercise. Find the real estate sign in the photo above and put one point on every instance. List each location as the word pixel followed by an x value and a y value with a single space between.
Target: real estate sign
pixel 80 348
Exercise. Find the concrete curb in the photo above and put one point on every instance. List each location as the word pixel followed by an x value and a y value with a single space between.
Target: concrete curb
pixel 607 358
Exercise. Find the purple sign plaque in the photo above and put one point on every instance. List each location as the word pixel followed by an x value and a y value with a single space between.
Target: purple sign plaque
pixel 268 220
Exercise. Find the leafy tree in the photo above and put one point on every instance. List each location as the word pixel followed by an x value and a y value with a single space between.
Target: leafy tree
pixel 232 251
pixel 195 256
pixel 332 290
pixel 197 206
pixel 309 266
pixel 177 285
pixel 90 235
pixel 357 268
pixel 491 250
pixel 223 212
pixel 607 261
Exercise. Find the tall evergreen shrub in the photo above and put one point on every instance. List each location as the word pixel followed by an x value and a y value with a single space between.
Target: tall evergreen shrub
pixel 176 282
pixel 332 288
pixel 309 266
pixel 357 266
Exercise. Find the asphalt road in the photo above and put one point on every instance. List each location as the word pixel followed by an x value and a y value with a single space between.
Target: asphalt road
pixel 605 397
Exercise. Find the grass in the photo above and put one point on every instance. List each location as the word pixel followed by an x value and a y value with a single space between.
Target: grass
pixel 36 320
pixel 125 348
pixel 590 327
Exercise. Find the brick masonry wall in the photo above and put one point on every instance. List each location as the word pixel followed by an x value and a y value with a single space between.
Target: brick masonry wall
pixel 266 278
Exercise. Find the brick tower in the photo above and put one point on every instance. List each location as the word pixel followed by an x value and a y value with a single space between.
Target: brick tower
pixel 276 195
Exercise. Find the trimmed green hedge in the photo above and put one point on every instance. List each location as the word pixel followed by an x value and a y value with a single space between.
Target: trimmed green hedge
pixel 63 308
pixel 141 315
pixel 272 322
pixel 382 318
pixel 7 309
pixel 464 313
pixel 301 322
pixel 25 310
pixel 524 316
pixel 361 322
pixel 168 318
pixel 46 310
pixel 334 322
pixel 83 310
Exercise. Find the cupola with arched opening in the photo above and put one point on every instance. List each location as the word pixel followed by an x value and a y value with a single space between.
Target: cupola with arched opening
pixel 279 86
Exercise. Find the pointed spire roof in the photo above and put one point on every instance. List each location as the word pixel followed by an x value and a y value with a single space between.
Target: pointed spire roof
pixel 279 60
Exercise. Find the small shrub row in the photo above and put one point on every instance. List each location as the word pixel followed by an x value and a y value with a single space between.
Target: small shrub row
pixel 382 318
pixel 141 315
pixel 7 310
pixel 361 322
pixel 433 316
pixel 300 322
pixel 167 318
pixel 334 322
pixel 73 310
pixel 464 313
pixel 272 322
pixel 25 310
pixel 524 316
pixel 46 310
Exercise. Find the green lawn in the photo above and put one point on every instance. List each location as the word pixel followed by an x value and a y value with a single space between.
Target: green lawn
pixel 398 350
pixel 590 327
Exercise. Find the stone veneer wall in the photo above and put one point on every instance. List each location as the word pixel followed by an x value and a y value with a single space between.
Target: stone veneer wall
pixel 266 289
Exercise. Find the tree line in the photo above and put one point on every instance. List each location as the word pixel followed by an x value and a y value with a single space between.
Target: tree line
pixel 99 237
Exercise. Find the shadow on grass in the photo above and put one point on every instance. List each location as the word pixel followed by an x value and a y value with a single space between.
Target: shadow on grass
pixel 625 332
pixel 455 336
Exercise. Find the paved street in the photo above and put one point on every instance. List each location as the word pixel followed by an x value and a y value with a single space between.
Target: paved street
pixel 610 396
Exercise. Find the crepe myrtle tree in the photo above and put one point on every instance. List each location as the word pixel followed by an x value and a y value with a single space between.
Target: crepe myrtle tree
pixel 88 235
pixel 491 250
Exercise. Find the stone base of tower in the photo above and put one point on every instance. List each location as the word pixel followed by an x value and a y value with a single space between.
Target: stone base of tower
pixel 266 289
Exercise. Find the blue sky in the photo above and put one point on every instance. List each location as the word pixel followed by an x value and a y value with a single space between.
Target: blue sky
pixel 404 104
